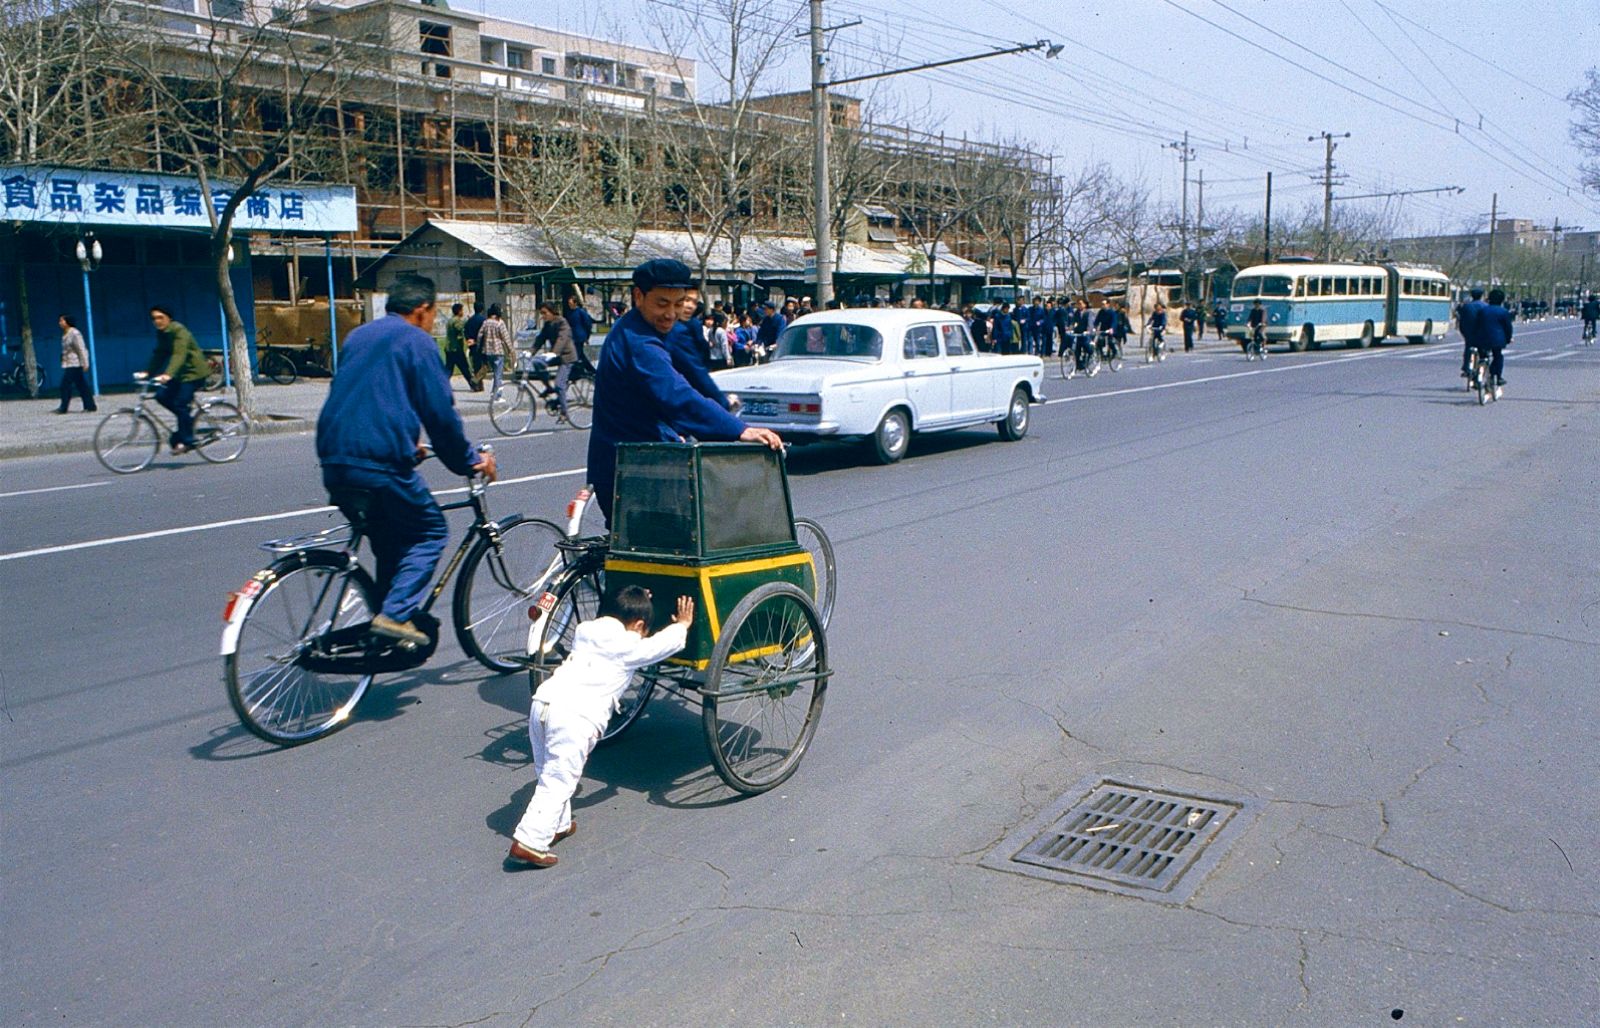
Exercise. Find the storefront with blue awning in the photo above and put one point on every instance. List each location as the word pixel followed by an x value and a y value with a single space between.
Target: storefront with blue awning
pixel 106 246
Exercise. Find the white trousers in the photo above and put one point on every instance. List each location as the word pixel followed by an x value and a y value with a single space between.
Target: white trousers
pixel 561 744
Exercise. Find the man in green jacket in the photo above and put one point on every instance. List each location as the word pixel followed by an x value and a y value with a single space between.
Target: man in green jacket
pixel 180 367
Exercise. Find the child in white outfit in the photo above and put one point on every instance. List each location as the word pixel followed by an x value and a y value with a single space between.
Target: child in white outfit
pixel 571 708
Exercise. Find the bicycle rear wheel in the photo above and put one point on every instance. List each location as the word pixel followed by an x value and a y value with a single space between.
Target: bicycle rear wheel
pixel 296 601
pixel 277 367
pixel 512 408
pixel 126 441
pixel 221 431
pixel 499 580
pixel 580 402
pixel 815 540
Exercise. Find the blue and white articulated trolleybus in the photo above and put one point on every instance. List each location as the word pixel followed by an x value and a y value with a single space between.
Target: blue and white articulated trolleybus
pixel 1314 305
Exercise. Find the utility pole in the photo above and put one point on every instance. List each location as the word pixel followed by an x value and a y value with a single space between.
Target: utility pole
pixel 1200 232
pixel 823 218
pixel 1266 242
pixel 1494 214
pixel 1185 154
pixel 822 224
pixel 1327 190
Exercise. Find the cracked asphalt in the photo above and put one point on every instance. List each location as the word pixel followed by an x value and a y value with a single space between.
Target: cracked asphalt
pixel 1332 586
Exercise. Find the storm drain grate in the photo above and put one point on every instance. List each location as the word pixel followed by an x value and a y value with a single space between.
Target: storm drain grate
pixel 1125 838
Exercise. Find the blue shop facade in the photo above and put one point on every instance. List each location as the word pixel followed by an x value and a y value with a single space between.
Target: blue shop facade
pixel 106 246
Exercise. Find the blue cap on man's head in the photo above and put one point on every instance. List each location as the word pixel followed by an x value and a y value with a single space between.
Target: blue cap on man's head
pixel 663 273
pixel 1477 292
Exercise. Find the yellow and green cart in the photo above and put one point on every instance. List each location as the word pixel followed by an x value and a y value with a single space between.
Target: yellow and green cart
pixel 713 521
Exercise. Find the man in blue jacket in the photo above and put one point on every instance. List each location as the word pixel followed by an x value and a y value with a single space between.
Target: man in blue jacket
pixel 391 386
pixel 1467 322
pixel 772 326
pixel 1002 329
pixel 638 396
pixel 1492 334
pixel 579 320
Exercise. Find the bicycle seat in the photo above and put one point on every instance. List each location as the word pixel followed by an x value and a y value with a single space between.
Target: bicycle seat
pixel 354 504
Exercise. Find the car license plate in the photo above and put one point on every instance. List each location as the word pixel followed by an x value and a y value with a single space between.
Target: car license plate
pixel 762 408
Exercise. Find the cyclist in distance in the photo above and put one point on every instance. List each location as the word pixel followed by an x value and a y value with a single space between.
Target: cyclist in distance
pixel 391 387
pixel 179 366
pixel 555 337
pixel 1492 334
pixel 639 396
pixel 1258 325
pixel 1591 314
pixel 1467 322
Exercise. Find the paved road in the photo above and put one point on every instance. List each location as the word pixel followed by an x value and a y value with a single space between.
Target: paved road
pixel 1329 585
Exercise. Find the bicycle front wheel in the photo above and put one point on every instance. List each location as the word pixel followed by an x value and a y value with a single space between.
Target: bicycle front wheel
pixel 126 441
pixel 502 576
pixel 222 431
pixel 301 598
pixel 512 408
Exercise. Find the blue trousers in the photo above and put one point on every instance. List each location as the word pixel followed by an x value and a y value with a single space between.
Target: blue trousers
pixel 406 529
pixel 178 397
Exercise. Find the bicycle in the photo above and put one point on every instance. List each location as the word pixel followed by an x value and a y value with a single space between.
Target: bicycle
pixel 1479 378
pixel 298 653
pixel 1155 351
pixel 1081 358
pixel 285 364
pixel 1588 333
pixel 1110 352
pixel 127 440
pixel 1256 347
pixel 14 373
pixel 577 582
pixel 514 407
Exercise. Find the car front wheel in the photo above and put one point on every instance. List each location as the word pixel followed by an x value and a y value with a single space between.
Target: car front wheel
pixel 893 437
pixel 1015 424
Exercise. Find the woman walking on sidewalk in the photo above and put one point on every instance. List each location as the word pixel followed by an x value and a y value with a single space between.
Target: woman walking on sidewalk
pixel 74 363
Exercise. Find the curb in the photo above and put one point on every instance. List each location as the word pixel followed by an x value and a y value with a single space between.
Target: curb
pixel 268 424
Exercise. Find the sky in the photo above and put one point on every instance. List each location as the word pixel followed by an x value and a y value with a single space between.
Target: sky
pixel 1466 93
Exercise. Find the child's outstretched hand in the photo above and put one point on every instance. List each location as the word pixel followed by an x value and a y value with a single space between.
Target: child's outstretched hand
pixel 685 611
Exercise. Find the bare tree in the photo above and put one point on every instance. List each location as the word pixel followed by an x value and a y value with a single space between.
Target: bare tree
pixel 52 106
pixel 250 103
pixel 1085 217
pixel 717 149
pixel 1585 127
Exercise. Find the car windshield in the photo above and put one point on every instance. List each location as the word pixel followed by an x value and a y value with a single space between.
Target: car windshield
pixel 830 339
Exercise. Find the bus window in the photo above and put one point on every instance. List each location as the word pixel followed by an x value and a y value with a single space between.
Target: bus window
pixel 1300 287
pixel 1341 286
pixel 1277 285
pixel 1244 288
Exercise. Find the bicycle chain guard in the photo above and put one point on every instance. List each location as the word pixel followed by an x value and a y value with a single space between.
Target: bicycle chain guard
pixel 355 650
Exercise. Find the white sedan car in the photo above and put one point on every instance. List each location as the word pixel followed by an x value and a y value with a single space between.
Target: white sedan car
pixel 881 375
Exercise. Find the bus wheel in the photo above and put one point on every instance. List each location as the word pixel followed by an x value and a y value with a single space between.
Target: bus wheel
pixel 1300 342
pixel 1366 337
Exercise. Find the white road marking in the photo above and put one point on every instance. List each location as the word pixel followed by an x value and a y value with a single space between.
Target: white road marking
pixel 53 489
pixel 191 529
pixel 1216 378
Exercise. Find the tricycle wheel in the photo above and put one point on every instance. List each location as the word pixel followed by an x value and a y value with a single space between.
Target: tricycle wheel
pixel 764 688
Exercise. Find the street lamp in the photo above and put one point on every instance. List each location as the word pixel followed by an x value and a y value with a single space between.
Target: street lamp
pixel 89 256
pixel 822 229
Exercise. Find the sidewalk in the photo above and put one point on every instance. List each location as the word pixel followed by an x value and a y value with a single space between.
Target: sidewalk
pixel 30 428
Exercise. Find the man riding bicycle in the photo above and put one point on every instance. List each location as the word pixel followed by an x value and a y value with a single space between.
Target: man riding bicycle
pixel 1258 328
pixel 639 396
pixel 1591 314
pixel 557 349
pixel 179 366
pixel 391 386
pixel 1491 334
